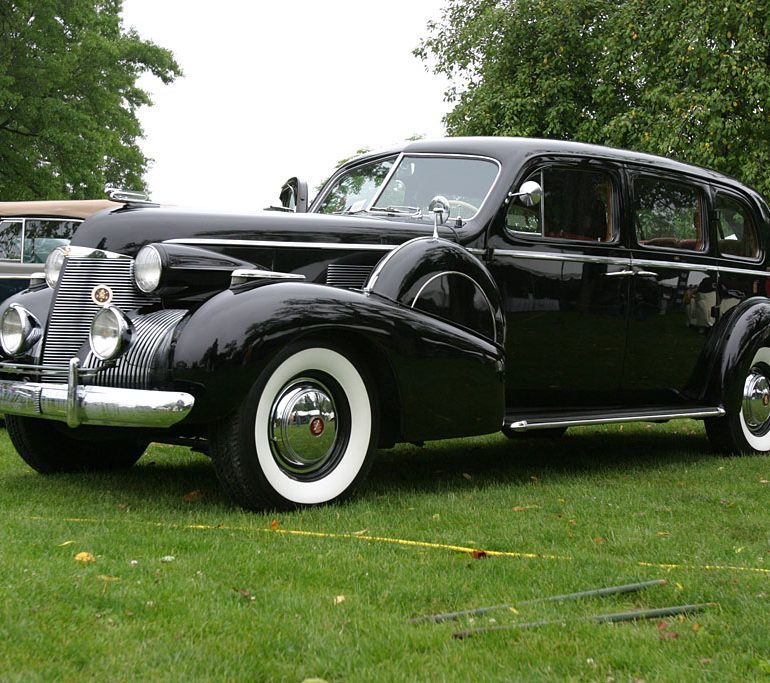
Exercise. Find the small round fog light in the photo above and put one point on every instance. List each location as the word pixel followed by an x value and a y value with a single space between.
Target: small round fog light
pixel 148 267
pixel 110 332
pixel 53 265
pixel 18 330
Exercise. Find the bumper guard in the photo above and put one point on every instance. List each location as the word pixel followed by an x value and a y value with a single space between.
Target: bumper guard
pixel 78 404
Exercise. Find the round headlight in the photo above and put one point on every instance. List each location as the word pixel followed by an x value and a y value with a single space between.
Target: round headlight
pixel 110 331
pixel 18 330
pixel 53 265
pixel 148 268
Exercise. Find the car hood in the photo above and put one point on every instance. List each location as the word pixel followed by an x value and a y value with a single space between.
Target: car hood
pixel 128 229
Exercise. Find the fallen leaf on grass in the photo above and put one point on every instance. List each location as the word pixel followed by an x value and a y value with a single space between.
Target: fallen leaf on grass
pixel 599 540
pixel 521 508
pixel 361 532
pixel 338 599
pixel 467 476
pixel 192 496
pixel 478 555
pixel 61 545
pixel 245 594
pixel 274 525
pixel 84 558
pixel 764 481
pixel 663 533
pixel 105 577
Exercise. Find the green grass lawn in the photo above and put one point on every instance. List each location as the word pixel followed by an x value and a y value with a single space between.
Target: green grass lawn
pixel 244 600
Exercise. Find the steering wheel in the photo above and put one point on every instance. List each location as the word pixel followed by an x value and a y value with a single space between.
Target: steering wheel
pixel 460 204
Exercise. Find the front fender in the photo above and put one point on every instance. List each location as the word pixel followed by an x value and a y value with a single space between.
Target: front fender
pixel 441 380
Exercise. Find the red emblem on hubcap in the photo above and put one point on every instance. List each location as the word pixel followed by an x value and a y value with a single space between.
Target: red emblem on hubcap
pixel 317 426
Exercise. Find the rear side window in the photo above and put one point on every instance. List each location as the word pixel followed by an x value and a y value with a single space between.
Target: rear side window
pixel 668 214
pixel 10 240
pixel 736 232
pixel 577 204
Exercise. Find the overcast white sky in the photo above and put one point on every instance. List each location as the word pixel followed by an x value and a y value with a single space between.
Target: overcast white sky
pixel 272 90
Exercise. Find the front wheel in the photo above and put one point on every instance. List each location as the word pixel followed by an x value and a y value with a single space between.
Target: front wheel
pixel 49 447
pixel 306 433
pixel 748 429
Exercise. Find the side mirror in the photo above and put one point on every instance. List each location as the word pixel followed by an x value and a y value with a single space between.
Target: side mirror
pixel 294 195
pixel 530 193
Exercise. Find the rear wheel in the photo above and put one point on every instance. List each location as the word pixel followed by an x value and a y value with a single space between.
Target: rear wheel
pixel 48 447
pixel 306 433
pixel 748 429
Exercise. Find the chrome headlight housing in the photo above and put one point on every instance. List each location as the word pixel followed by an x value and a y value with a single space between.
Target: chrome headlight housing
pixel 110 333
pixel 148 268
pixel 53 265
pixel 19 330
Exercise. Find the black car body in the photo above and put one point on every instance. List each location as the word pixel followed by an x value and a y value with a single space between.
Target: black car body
pixel 443 289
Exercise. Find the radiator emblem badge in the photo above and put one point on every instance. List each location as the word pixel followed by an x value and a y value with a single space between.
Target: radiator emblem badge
pixel 101 295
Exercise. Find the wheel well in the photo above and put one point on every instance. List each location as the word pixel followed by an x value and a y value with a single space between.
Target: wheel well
pixel 369 356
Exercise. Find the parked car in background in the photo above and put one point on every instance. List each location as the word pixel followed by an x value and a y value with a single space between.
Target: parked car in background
pixel 29 231
pixel 442 289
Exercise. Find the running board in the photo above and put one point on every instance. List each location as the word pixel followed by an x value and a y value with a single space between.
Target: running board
pixel 593 417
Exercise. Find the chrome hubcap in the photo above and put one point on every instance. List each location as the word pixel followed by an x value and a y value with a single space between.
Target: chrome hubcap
pixel 756 401
pixel 303 427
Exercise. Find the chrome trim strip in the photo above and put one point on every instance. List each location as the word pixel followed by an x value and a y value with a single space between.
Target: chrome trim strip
pixel 270 243
pixel 621 261
pixel 467 277
pixel 696 413
pixel 241 275
pixel 94 405
pixel 372 281
pixel 73 419
pixel 742 271
pixel 575 258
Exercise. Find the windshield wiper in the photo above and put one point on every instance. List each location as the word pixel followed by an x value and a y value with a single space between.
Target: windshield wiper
pixel 413 211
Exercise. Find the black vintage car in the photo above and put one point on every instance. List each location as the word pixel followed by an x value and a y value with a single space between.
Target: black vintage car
pixel 442 289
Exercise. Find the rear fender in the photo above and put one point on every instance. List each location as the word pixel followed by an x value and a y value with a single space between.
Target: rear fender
pixel 725 360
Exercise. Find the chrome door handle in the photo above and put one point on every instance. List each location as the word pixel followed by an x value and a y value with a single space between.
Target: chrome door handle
pixel 619 273
pixel 645 273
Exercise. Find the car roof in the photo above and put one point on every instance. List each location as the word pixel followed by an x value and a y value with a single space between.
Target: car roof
pixel 66 208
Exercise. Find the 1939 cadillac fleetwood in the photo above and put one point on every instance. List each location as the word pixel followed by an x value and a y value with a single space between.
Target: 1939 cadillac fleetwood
pixel 442 289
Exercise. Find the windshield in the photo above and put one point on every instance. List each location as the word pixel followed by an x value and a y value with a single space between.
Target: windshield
pixel 464 182
pixel 353 190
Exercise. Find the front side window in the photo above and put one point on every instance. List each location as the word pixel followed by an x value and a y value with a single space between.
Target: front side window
pixel 463 182
pixel 353 190
pixel 577 204
pixel 10 239
pixel 736 232
pixel 43 235
pixel 668 214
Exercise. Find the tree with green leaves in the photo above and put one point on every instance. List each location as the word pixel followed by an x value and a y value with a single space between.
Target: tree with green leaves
pixel 689 79
pixel 69 97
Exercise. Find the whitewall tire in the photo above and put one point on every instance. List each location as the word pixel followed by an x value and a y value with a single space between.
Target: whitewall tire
pixel 305 435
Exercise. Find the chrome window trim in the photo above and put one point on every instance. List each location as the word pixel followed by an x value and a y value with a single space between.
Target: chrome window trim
pixel 623 261
pixel 275 243
pixel 319 199
pixel 437 155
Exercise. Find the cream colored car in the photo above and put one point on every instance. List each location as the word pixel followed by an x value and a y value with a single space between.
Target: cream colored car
pixel 29 231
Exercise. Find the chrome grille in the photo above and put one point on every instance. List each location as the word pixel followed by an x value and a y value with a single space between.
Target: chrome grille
pixel 73 309
pixel 347 276
pixel 134 369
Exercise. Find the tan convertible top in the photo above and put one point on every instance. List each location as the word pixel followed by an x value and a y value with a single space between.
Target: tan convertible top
pixel 65 208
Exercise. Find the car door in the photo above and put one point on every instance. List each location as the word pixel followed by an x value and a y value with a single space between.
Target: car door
pixel 673 294
pixel 563 273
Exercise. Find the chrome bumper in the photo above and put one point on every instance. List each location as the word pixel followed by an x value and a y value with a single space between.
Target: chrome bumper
pixel 78 404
